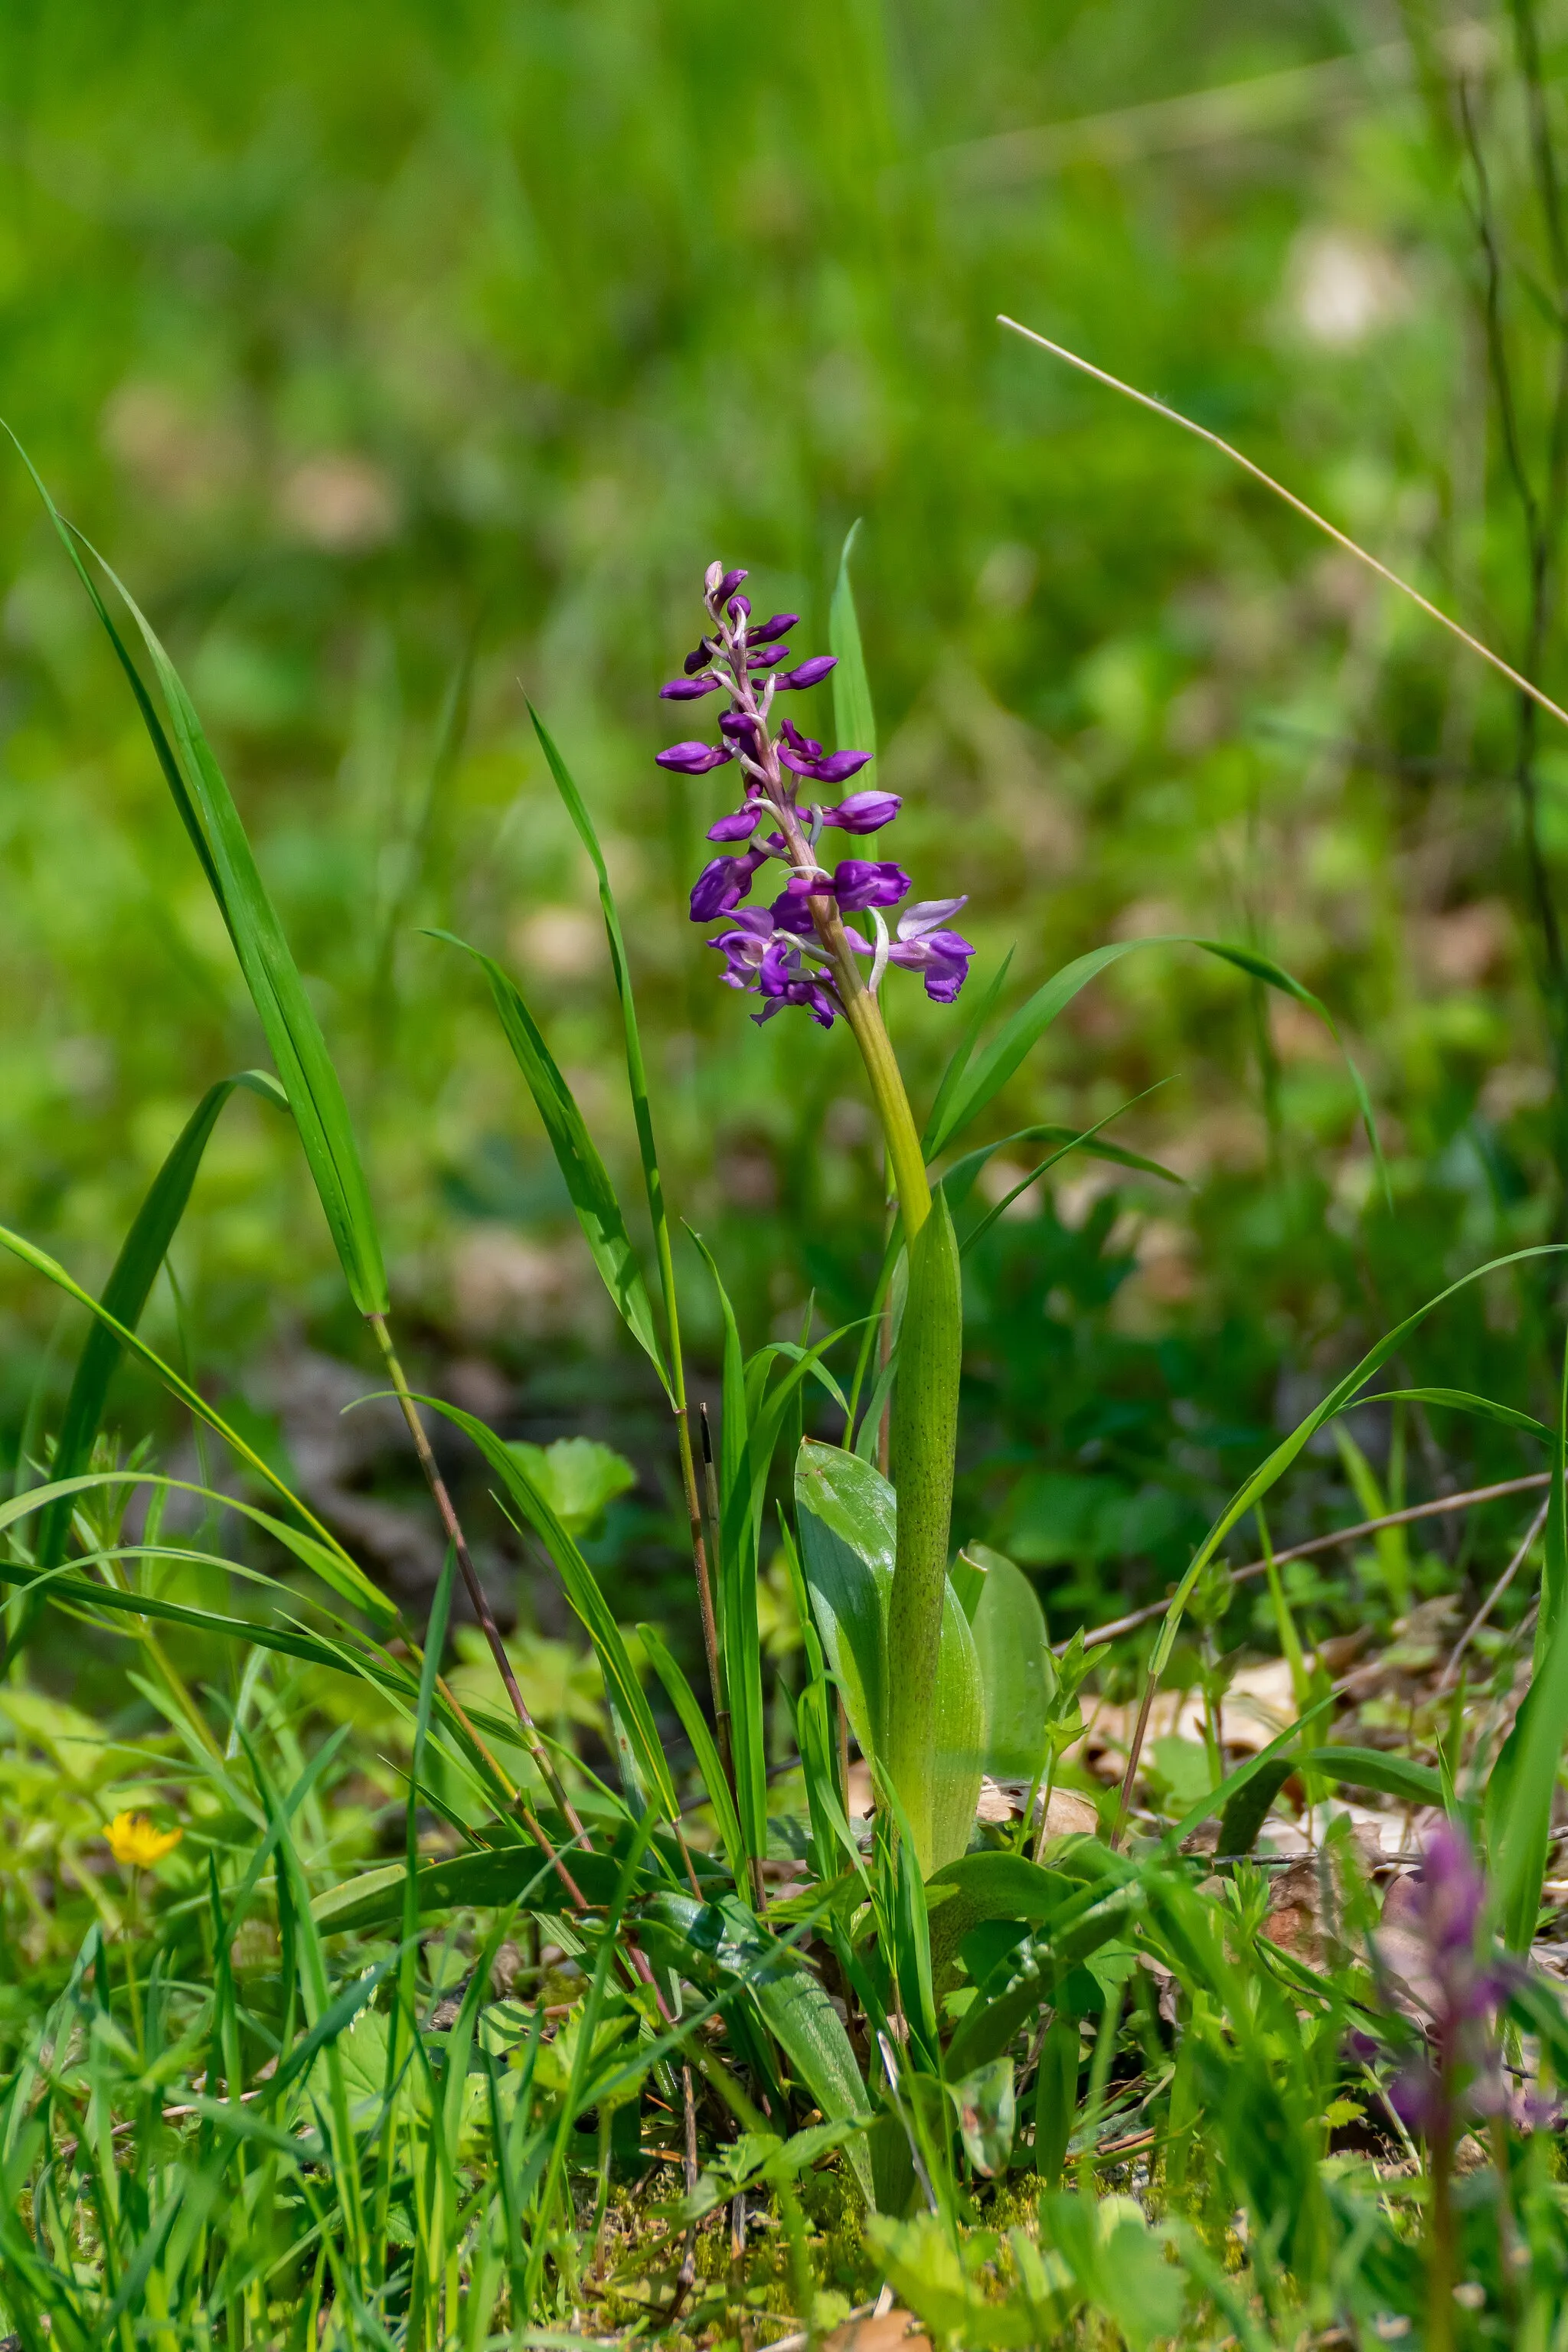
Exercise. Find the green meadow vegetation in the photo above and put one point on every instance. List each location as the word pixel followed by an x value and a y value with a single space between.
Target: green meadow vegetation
pixel 895 1671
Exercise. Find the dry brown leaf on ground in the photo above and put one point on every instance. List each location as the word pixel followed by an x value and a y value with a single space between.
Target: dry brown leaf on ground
pixel 888 2331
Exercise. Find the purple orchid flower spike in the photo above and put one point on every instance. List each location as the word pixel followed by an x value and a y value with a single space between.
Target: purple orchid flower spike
pixel 1433 1951
pixel 798 951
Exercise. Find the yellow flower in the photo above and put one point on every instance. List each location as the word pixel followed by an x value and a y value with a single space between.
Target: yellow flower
pixel 133 1841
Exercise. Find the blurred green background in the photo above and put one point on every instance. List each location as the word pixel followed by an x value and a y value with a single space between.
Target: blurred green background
pixel 402 360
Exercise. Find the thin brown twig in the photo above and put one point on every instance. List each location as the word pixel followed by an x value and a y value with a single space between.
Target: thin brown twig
pixel 1441 1503
pixel 1450 1671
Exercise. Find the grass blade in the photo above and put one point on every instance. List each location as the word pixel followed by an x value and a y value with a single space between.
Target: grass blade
pixel 740 1639
pixel 582 1589
pixel 1173 416
pixel 125 1292
pixel 854 719
pixel 636 1074
pixel 1269 1472
pixel 683 1698
pixel 1523 1782
pixel 210 818
pixel 1028 1025
pixel 353 1577
pixel 583 1170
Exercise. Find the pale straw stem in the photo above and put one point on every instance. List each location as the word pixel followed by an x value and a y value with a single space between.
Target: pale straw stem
pixel 1202 433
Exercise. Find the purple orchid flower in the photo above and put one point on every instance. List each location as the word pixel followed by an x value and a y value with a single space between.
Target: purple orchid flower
pixel 738 826
pixel 784 979
pixel 767 630
pixel 722 884
pixel 810 672
pixel 1431 1945
pixel 824 768
pixel 863 812
pixel 687 689
pixel 745 947
pixel 693 759
pixel 791 910
pixel 925 945
pixel 859 882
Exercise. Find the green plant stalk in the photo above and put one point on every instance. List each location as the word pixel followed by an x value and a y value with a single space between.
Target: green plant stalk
pixel 1440 2244
pixel 924 1436
pixel 906 1160
pixel 924 1422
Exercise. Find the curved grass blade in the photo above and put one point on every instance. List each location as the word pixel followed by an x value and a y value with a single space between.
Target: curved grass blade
pixel 1464 1401
pixel 636 1073
pixel 1269 1472
pixel 739 1637
pixel 328 1564
pixel 583 1170
pixel 958 1061
pixel 366 1594
pixel 683 1698
pixel 1523 1786
pixel 854 719
pixel 958 1181
pixel 1028 1025
pixel 207 811
pixel 125 1292
pixel 582 1589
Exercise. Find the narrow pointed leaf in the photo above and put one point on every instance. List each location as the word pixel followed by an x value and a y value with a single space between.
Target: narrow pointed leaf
pixel 854 719
pixel 587 1180
pixel 1017 1672
pixel 581 1590
pixel 207 811
pixel 125 1292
